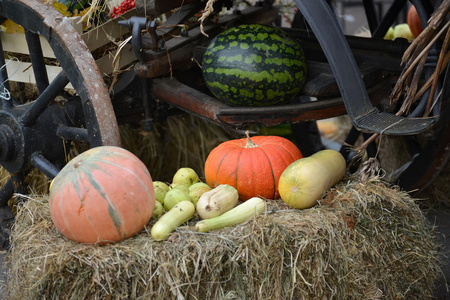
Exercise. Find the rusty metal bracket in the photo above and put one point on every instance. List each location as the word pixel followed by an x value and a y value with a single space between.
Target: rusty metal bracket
pixel 138 26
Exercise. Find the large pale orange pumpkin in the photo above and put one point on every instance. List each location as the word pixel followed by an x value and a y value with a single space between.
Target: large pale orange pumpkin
pixel 103 195
pixel 252 165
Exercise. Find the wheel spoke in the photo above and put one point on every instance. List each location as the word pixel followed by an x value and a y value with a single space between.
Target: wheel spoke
pixel 44 165
pixel 4 83
pixel 20 187
pixel 73 133
pixel 37 60
pixel 6 221
pixel 44 99
pixel 372 20
pixel 6 192
pixel 6 215
pixel 389 18
pixel 3 73
pixel 15 184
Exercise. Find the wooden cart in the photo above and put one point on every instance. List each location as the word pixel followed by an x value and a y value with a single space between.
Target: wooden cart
pixel 347 75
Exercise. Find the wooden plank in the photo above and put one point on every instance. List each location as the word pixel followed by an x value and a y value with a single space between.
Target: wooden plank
pixel 23 72
pixel 105 64
pixel 107 32
pixel 94 38
pixel 16 42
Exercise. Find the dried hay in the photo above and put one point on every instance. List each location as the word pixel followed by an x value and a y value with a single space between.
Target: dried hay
pixel 360 242
pixel 183 140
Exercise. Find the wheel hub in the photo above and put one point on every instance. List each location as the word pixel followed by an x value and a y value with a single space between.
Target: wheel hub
pixel 18 142
pixel 6 143
pixel 12 143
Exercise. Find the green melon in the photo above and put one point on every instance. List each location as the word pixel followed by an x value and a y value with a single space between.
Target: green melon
pixel 254 65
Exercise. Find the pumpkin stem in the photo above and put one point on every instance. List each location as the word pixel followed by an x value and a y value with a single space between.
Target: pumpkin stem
pixel 250 143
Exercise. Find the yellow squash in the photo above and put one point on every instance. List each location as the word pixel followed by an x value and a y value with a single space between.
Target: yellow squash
pixel 304 181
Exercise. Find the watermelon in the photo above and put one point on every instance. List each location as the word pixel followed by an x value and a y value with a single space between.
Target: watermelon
pixel 254 65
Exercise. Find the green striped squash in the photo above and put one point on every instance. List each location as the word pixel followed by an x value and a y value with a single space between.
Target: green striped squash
pixel 254 65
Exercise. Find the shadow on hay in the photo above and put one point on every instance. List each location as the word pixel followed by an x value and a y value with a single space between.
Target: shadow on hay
pixel 360 242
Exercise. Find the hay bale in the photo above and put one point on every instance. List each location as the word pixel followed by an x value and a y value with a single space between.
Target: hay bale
pixel 360 242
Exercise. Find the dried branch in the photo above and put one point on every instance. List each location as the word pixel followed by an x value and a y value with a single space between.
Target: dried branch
pixel 414 59
pixel 433 24
pixel 404 80
pixel 438 69
pixel 428 83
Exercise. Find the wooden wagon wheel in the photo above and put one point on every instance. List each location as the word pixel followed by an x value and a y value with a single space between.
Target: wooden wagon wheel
pixel 35 134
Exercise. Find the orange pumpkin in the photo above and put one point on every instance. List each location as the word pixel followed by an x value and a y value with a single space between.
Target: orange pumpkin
pixel 103 195
pixel 252 165
pixel 413 21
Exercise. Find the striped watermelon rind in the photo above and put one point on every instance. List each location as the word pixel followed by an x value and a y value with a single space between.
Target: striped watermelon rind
pixel 254 65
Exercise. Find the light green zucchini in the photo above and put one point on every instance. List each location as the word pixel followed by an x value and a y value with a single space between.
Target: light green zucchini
pixel 179 214
pixel 239 214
